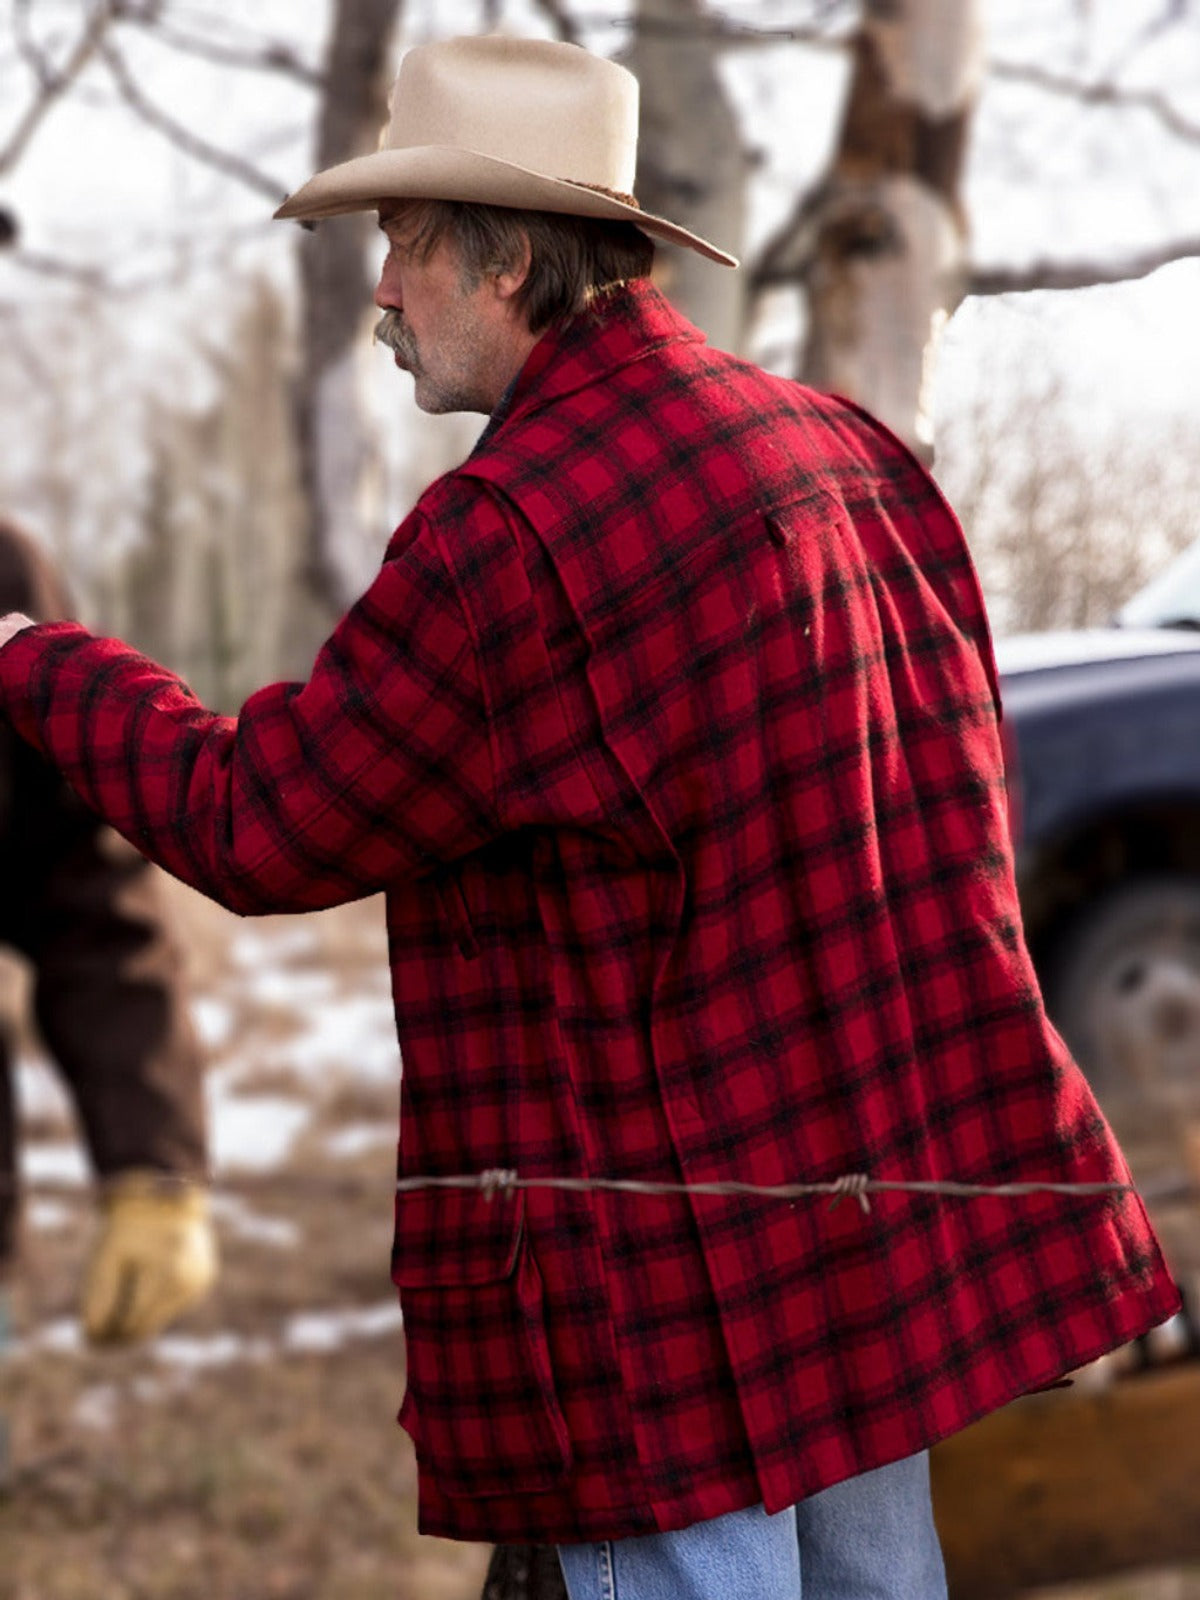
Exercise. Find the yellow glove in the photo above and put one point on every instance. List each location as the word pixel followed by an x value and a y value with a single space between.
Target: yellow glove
pixel 154 1256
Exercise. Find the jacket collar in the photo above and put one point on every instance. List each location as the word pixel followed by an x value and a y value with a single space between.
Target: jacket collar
pixel 621 326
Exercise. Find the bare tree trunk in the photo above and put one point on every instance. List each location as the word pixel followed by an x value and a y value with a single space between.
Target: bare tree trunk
pixel 692 164
pixel 881 245
pixel 335 295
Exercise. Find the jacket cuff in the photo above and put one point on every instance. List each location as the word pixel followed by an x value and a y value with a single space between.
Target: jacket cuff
pixel 20 659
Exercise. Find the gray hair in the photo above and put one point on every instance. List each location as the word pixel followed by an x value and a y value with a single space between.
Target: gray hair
pixel 571 258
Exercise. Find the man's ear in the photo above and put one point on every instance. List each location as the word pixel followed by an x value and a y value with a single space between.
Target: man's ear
pixel 510 279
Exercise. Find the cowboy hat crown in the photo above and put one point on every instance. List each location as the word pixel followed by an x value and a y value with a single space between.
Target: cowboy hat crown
pixel 524 123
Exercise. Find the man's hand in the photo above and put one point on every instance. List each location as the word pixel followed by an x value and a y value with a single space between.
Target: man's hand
pixel 14 622
pixel 154 1257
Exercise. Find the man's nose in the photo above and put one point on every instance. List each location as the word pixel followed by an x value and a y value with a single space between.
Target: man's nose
pixel 387 292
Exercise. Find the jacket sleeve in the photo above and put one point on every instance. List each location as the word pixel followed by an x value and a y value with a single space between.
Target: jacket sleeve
pixel 376 769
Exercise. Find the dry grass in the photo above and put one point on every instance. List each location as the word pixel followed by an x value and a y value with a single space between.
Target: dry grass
pixel 277 1478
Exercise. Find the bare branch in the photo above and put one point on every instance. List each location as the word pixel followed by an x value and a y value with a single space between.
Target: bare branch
pixel 274 57
pixel 1099 93
pixel 34 57
pixel 1086 274
pixel 1173 13
pixel 213 248
pixel 786 256
pixel 191 143
pixel 91 278
pixel 560 19
pixel 53 83
pixel 813 35
pixel 21 347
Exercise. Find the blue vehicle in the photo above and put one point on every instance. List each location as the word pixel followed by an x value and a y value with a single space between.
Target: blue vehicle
pixel 1102 732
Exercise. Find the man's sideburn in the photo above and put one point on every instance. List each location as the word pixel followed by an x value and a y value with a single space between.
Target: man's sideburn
pixel 447 375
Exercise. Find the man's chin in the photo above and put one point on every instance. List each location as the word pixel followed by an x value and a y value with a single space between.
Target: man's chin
pixel 426 399
pixel 438 401
pixel 432 404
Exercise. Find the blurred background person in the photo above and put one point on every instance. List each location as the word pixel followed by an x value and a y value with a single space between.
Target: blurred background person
pixel 83 909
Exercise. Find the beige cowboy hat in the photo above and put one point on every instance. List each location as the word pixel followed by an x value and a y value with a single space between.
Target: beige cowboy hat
pixel 505 122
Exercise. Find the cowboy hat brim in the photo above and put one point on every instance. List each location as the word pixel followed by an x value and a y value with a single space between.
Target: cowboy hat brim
pixel 445 172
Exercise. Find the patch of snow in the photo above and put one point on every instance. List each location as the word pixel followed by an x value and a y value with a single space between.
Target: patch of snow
pixel 47 1216
pixel 359 1137
pixel 53 1163
pixel 1170 1339
pixel 214 1020
pixel 329 1330
pixel 289 990
pixel 307 1331
pixel 40 1091
pixel 62 1337
pixel 353 1038
pixel 96 1408
pixel 254 1133
pixel 262 947
pixel 201 1354
pixel 236 1218
pixel 183 1355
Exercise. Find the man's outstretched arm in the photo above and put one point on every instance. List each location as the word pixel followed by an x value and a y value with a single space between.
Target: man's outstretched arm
pixel 378 768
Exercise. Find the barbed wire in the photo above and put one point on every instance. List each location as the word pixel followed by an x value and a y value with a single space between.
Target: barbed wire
pixel 504 1180
pixel 852 1185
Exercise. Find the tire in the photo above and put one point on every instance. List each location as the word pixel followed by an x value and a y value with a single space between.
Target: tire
pixel 1123 988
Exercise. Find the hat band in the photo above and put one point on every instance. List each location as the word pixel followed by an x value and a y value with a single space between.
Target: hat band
pixel 618 195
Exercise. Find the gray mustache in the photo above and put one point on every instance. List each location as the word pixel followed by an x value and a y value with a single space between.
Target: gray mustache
pixel 390 331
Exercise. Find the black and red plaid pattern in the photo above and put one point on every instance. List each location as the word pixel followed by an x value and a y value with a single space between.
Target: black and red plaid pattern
pixel 669 728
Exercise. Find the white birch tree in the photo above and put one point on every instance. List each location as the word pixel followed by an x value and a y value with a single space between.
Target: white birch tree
pixel 881 245
pixel 691 166
pixel 338 463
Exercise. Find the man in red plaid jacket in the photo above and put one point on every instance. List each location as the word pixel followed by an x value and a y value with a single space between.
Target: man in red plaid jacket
pixel 669 728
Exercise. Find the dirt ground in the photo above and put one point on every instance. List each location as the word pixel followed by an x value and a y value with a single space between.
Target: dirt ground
pixel 240 1460
pixel 1147 1585
pixel 253 1455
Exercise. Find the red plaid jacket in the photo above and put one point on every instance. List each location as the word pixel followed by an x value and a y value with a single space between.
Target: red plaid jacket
pixel 669 727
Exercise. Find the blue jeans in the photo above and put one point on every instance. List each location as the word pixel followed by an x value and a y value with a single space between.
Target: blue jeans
pixel 870 1538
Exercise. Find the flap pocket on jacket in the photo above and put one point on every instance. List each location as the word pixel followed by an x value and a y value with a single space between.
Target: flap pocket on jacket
pixel 481 1403
pixel 456 1237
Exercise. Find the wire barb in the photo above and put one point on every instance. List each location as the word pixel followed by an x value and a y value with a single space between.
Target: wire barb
pixel 497 1180
pixel 854 1184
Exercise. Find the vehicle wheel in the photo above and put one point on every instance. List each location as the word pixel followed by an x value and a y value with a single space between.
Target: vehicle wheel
pixel 1123 988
